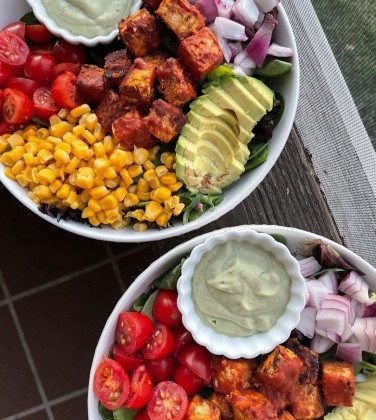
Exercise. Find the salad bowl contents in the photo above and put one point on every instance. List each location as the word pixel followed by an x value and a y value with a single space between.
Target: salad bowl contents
pixel 156 134
pixel 315 373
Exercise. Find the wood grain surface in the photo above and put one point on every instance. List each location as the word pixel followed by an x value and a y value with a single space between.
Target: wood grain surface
pixel 290 195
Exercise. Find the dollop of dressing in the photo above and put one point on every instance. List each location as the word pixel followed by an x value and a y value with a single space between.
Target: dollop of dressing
pixel 88 18
pixel 239 289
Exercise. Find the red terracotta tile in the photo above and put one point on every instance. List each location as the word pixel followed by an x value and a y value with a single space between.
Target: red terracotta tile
pixel 75 408
pixel 18 389
pixel 63 325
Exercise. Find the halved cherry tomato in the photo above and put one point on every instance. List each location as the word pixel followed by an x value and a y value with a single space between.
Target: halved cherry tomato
pixel 161 369
pixel 165 308
pixel 168 401
pixel 141 388
pixel 133 329
pixel 40 67
pixel 190 382
pixel 71 67
pixel 13 49
pixel 17 28
pixel 198 359
pixel 44 105
pixel 8 72
pixel 128 361
pixel 64 91
pixel 142 415
pixel 6 128
pixel 111 384
pixel 41 48
pixel 182 338
pixel 64 52
pixel 160 343
pixel 27 86
pixel 38 33
pixel 17 107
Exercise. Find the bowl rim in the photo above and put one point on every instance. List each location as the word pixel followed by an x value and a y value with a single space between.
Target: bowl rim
pixel 294 237
pixel 260 342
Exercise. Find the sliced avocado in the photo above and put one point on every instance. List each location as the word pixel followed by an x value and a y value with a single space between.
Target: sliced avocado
pixel 243 97
pixel 259 90
pixel 200 122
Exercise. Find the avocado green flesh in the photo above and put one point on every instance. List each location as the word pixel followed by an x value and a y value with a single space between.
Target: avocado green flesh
pixel 212 148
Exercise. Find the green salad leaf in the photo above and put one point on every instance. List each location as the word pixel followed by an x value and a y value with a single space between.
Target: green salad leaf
pixel 197 203
pixel 170 278
pixel 259 154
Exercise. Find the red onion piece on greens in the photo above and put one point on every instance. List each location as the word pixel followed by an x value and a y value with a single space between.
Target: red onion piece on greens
pixel 369 311
pixel 321 344
pixel 235 48
pixel 246 12
pixel 228 29
pixel 333 337
pixel 276 50
pixel 365 331
pixel 224 7
pixel 355 286
pixel 309 266
pixel 329 280
pixel 331 320
pixel 266 5
pixel 316 292
pixel 207 8
pixel 307 322
pixel 349 352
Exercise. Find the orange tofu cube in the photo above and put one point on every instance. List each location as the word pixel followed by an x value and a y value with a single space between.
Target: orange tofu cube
pixel 201 409
pixel 90 83
pixel 109 109
pixel 280 399
pixel 338 383
pixel 221 401
pixel 307 402
pixel 310 359
pixel 116 66
pixel 286 415
pixel 250 404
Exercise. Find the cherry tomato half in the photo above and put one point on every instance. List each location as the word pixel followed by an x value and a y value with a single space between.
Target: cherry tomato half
pixel 38 33
pixel 40 67
pixel 13 49
pixel 168 401
pixel 27 86
pixel 64 91
pixel 165 308
pixel 190 382
pixel 17 107
pixel 133 329
pixel 161 369
pixel 6 128
pixel 71 67
pixel 160 343
pixel 198 359
pixel 8 72
pixel 44 105
pixel 17 28
pixel 64 52
pixel 141 388
pixel 128 361
pixel 182 338
pixel 111 384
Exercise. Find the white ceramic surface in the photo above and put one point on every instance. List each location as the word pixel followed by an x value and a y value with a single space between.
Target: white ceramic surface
pixel 233 195
pixel 41 14
pixel 294 238
pixel 259 343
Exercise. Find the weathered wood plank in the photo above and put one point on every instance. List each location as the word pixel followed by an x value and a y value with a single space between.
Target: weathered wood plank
pixel 290 195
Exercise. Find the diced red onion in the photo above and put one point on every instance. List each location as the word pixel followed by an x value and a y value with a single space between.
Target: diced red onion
pixel 238 70
pixel 370 310
pixel 327 334
pixel 349 352
pixel 365 331
pixel 307 322
pixel 317 293
pixel 226 51
pixel 331 320
pixel 341 303
pixel 228 29
pixel 329 280
pixel 355 286
pixel 235 48
pixel 246 12
pixel 266 5
pixel 276 50
pixel 207 8
pixel 244 61
pixel 240 57
pixel 259 44
pixel 321 344
pixel 224 7
pixel 199 207
pixel 309 266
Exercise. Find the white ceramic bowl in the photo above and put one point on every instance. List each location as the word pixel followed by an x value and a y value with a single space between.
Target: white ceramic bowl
pixel 258 343
pixel 294 238
pixel 53 26
pixel 233 195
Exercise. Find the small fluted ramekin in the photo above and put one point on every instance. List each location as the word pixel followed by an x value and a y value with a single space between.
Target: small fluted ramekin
pixel 258 343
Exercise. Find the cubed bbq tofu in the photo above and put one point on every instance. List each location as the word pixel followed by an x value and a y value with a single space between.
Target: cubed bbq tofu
pixel 338 383
pixel 130 131
pixel 116 66
pixel 285 415
pixel 181 17
pixel 280 399
pixel 109 109
pixel 156 58
pixel 230 374
pixel 201 409
pixel 152 4
pixel 307 402
pixel 221 401
pixel 280 370
pixel 174 84
pixel 90 83
pixel 310 359
pixel 139 33
pixel 200 53
pixel 137 87
pixel 250 404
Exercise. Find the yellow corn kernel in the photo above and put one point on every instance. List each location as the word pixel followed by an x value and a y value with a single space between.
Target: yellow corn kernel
pixel 59 129
pixel 155 183
pixel 109 172
pixel 63 113
pixel 16 140
pixel 102 217
pixel 164 156
pixel 102 163
pixel 94 205
pixel 88 136
pixel 87 212
pixel 81 204
pixel 109 144
pixel 138 214
pixel 53 140
pixel 55 185
pixel 44 156
pixel 77 143
pixel 6 159
pixel 72 165
pixel 61 156
pixel 46 176
pixel 3 144
pixel 45 145
pixel 118 158
pixel 161 170
pixel 27 174
pixel 170 161
pixel 131 200
pixel 85 196
pixel 82 152
pixel 99 192
pixel 71 120
pixel 70 199
pixel 143 185
pixel 80 110
pixel 16 153
pixel 63 191
pixel 129 158
pixel 140 155
pixel 91 121
pixel 135 170
pixel 118 224
pixel 153 152
pixel 72 179
pixel 74 205
pixel 78 130
pixel 109 202
pixel 163 218
pixel 120 193
pixel 85 177
pixel 94 220
pixel 132 189
pixel 163 193
pixel 148 165
pixel 98 132
pixel 54 119
pixel 6 136
pixel 99 181
pixel 69 137
pixel 140 227
pixel 169 178
pixel 128 180
pixel 152 211
pixel 28 131
pixel 42 133
pixel 31 147
pixel 143 196
pixel 112 182
pixel 33 197
pixel 66 147
pixel 82 119
pixel 42 191
pixel 149 174
pixel 178 209
pixel 99 149
pixel 154 198
pixel 22 180
pixel 175 187
pixel 8 173
pixel 34 175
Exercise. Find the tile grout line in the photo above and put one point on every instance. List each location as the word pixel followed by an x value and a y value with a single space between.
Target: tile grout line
pixel 26 348
pixel 115 267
